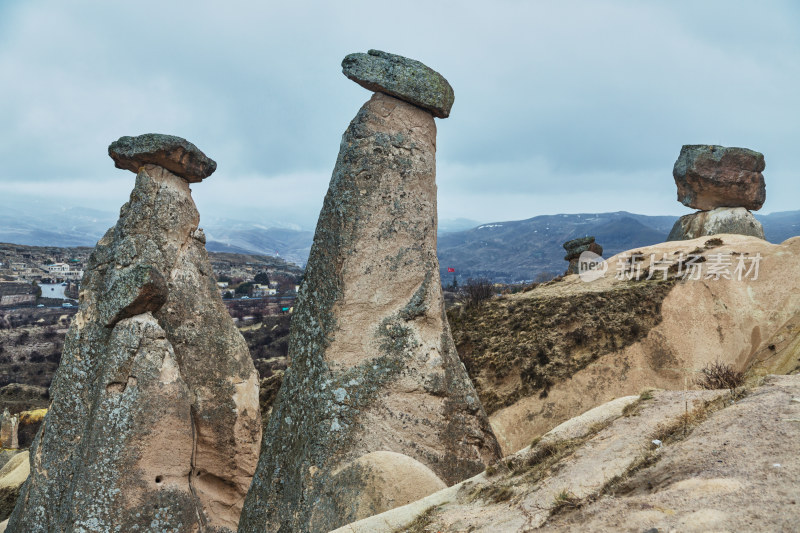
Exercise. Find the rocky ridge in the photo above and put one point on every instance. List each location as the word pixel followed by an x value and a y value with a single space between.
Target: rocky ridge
pixel 690 461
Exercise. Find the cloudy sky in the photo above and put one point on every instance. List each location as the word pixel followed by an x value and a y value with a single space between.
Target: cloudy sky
pixel 561 107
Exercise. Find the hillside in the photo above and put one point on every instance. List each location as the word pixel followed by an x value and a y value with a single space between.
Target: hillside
pixel 522 249
pixel 507 252
pixel 544 355
pixel 780 226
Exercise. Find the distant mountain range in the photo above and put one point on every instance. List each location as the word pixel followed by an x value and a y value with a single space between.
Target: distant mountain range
pixel 521 250
pixel 502 251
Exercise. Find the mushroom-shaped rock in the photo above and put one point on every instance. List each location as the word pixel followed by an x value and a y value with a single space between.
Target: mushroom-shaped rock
pixel 374 367
pixel 175 154
pixel 154 422
pixel 576 247
pixel 717 176
pixel 401 77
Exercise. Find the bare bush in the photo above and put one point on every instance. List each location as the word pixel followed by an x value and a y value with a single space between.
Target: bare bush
pixel 476 291
pixel 720 376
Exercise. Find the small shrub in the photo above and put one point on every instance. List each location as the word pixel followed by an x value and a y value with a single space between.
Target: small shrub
pixel 476 291
pixel 565 500
pixel 711 243
pixel 23 338
pixel 720 376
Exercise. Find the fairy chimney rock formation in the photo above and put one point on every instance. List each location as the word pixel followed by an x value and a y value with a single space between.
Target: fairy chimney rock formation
pixel 725 184
pixel 375 385
pixel 154 423
pixel 576 247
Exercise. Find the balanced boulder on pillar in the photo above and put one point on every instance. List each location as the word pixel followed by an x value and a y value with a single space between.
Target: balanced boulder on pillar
pixel 375 384
pixel 575 248
pixel 725 184
pixel 154 424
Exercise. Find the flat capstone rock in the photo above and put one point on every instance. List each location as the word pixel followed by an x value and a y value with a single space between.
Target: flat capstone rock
pixel 401 77
pixel 577 243
pixel 175 154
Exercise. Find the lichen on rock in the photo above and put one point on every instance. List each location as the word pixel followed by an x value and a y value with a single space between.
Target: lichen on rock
pixel 175 154
pixel 374 368
pixel 401 77
pixel 154 423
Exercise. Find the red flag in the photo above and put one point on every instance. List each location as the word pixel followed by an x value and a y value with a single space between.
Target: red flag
pixel 451 269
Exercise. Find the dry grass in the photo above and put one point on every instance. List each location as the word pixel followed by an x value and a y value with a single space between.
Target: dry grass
pixel 720 376
pixel 564 501
pixel 632 409
pixel 523 347
pixel 494 493
pixel 668 433
pixel 420 523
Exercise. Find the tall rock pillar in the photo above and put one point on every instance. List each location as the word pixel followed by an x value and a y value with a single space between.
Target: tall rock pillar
pixel 154 424
pixel 376 408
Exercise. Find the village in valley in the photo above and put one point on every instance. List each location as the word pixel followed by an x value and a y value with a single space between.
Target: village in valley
pixel 49 277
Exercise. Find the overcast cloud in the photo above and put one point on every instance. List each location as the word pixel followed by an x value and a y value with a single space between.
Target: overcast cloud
pixel 560 107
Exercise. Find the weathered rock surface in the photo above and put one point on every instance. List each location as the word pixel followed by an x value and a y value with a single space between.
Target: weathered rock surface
pixel 717 176
pixel 373 367
pixel 540 357
pixel 175 154
pixel 389 480
pixel 154 423
pixel 576 247
pixel 721 466
pixel 737 220
pixel 12 476
pixel 401 77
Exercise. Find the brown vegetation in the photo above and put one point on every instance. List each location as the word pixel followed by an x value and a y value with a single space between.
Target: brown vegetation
pixel 519 347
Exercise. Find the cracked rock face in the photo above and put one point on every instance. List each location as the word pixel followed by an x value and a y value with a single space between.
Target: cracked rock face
pixel 154 424
pixel 403 78
pixel 374 368
pixel 717 176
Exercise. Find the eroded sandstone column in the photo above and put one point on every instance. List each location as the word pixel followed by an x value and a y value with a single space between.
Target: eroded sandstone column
pixel 154 424
pixel 376 392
